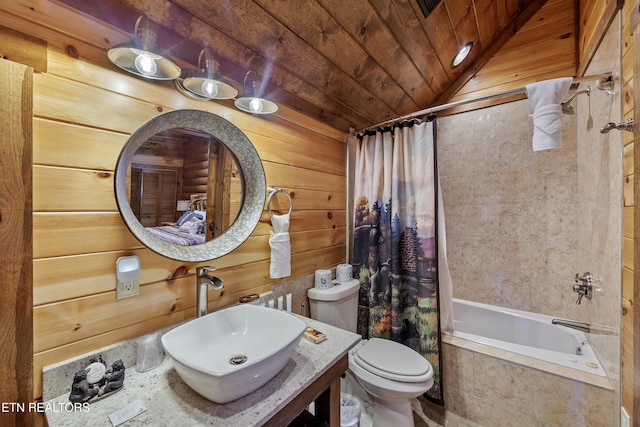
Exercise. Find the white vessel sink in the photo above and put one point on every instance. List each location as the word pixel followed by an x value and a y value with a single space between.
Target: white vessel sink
pixel 230 353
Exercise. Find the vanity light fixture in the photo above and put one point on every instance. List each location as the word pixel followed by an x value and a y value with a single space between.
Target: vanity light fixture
pixel 462 54
pixel 252 102
pixel 206 83
pixel 141 57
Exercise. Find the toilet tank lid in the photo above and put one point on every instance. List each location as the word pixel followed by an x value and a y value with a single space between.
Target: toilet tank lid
pixel 336 292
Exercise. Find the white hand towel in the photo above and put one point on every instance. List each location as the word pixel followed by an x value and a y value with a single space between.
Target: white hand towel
pixel 280 247
pixel 545 98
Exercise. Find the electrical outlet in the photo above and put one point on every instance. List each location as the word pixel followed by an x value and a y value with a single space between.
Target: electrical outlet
pixel 127 289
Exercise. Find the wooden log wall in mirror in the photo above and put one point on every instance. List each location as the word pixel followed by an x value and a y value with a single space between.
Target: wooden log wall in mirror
pixel 200 159
pixel 179 171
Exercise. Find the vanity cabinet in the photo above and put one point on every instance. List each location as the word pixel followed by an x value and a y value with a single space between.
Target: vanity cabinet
pixel 312 375
pixel 325 391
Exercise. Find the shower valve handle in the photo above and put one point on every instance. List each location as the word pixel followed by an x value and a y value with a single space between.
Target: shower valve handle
pixel 583 286
pixel 586 278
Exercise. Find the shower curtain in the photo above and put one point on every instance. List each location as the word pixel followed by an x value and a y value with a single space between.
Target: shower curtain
pixel 395 250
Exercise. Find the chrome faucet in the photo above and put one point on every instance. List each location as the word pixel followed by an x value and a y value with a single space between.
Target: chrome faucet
pixel 202 290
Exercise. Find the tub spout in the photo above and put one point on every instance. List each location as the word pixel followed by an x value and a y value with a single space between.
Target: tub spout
pixel 585 327
pixel 581 326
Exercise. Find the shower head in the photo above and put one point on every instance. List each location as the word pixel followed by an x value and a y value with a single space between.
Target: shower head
pixel 608 127
pixel 567 108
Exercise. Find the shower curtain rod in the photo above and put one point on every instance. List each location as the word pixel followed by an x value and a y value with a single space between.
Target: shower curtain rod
pixel 605 81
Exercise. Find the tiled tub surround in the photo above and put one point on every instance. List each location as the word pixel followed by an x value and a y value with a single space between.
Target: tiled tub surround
pixel 485 386
pixel 170 402
pixel 529 334
pixel 490 386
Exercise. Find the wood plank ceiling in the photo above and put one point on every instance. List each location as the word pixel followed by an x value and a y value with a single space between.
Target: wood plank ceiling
pixel 350 63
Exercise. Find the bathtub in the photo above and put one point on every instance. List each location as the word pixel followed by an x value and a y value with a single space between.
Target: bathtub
pixel 524 333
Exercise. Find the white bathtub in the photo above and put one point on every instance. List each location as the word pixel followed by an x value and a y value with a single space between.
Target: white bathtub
pixel 525 333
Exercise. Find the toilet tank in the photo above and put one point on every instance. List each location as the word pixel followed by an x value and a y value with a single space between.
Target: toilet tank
pixel 337 306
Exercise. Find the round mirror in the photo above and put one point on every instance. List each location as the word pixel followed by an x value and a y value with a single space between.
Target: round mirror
pixel 190 185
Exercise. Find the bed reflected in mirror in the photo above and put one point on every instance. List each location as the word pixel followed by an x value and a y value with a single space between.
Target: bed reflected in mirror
pixel 185 186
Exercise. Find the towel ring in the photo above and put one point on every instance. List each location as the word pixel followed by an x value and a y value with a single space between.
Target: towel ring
pixel 272 192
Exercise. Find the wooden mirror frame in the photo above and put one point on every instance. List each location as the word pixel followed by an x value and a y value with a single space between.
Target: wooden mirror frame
pixel 251 174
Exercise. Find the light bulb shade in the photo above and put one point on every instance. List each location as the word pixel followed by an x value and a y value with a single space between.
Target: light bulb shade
pixel 209 88
pixel 256 105
pixel 251 102
pixel 144 63
pixel 179 83
pixel 140 56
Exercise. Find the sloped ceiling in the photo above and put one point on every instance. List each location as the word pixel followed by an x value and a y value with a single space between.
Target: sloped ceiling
pixel 354 63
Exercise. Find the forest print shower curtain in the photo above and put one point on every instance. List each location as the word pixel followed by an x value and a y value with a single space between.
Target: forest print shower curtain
pixel 395 251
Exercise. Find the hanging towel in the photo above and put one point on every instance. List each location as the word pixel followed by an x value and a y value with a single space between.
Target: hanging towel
pixel 280 247
pixel 545 98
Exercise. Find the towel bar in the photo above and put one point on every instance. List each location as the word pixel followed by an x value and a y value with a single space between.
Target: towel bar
pixel 272 192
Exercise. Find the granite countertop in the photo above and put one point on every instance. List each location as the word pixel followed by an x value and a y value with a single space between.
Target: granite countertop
pixel 170 402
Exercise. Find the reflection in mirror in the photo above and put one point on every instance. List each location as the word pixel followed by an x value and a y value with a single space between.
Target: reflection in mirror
pixel 185 186
pixel 250 174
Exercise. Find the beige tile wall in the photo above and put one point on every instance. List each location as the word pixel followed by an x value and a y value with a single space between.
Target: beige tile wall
pixel 510 212
pixel 600 158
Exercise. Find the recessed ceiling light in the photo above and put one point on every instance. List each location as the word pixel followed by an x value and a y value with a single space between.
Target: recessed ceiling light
pixel 462 54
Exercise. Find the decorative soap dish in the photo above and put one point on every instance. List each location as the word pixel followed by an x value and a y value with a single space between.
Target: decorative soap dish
pixel 314 335
pixel 96 381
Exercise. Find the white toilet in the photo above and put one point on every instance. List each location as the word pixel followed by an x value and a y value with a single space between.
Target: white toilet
pixel 390 372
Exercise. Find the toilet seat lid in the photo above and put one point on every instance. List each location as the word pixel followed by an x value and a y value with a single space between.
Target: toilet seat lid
pixel 393 360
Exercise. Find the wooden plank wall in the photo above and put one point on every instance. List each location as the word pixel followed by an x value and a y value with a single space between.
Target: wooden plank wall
pixel 84 110
pixel 196 169
pixel 595 17
pixel 16 376
pixel 628 234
